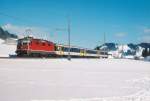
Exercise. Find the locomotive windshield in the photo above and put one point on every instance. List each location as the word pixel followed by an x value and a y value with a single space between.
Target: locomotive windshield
pixel 23 41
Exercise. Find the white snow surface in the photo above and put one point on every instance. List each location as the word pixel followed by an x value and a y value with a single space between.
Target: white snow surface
pixel 6 49
pixel 118 53
pixel 123 48
pixel 75 80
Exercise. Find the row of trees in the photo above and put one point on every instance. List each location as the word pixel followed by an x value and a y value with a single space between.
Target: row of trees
pixel 146 52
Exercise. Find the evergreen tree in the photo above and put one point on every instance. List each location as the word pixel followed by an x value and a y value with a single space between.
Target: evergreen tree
pixel 149 52
pixel 145 52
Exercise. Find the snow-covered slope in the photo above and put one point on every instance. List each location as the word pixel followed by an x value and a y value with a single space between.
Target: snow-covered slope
pixel 123 50
pixel 6 49
pixel 75 80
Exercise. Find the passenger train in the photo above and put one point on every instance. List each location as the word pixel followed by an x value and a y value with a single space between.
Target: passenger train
pixel 33 47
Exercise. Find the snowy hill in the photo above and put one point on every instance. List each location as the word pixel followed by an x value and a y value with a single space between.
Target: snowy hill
pixel 7 47
pixel 7 43
pixel 124 50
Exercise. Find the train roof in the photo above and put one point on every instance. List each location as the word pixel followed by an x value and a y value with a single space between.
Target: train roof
pixel 74 47
pixel 29 37
pixel 32 38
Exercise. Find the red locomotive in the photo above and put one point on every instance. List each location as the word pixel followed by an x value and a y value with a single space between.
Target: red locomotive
pixel 29 46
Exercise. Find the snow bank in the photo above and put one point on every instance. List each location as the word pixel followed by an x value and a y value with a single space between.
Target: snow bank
pixel 6 49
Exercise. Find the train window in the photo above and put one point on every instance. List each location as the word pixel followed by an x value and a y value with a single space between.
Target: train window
pixel 19 41
pixel 91 52
pixel 65 49
pixel 76 50
pixel 48 44
pixel 24 43
pixel 71 50
pixel 104 53
pixel 62 48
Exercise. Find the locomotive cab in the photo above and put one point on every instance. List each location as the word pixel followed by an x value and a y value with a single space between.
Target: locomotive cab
pixel 23 46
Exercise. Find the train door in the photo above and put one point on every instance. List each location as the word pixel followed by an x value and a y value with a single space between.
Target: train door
pixel 60 50
pixel 98 53
pixel 81 52
pixel 84 52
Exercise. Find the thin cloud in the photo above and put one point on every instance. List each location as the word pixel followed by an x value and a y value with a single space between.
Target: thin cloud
pixel 121 34
pixel 145 38
pixel 145 35
pixel 27 30
pixel 147 30
pixel 37 32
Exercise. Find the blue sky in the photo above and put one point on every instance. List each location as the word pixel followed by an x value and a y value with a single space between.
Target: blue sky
pixel 123 21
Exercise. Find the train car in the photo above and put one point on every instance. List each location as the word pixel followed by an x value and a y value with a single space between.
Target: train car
pixel 62 50
pixel 33 47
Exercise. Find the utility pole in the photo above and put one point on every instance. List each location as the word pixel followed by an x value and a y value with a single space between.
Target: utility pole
pixel 104 44
pixel 28 32
pixel 122 51
pixel 68 39
pixel 104 38
pixel 69 57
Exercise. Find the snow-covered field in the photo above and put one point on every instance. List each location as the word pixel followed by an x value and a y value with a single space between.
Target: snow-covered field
pixel 6 49
pixel 75 80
